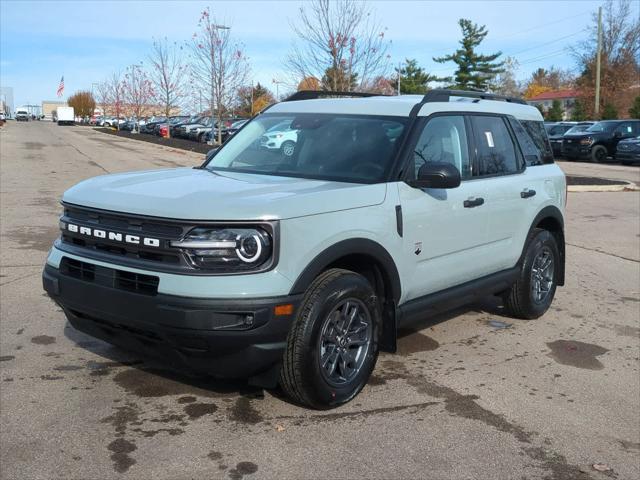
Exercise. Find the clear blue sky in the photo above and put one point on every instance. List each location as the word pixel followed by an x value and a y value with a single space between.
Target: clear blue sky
pixel 85 41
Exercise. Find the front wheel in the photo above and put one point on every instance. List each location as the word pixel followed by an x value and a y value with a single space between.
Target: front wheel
pixel 598 154
pixel 332 347
pixel 288 148
pixel 533 292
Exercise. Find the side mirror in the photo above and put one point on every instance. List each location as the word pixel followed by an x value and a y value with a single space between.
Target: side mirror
pixel 211 153
pixel 437 175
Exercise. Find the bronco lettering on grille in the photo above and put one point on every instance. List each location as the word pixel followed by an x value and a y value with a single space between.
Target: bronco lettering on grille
pixel 114 236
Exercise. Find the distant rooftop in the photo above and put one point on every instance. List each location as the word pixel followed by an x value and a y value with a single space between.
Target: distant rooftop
pixel 555 95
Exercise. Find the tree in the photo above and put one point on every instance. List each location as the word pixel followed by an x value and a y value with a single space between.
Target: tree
pixel 254 99
pixel 634 111
pixel 116 95
pixel 168 75
pixel 137 90
pixel 413 78
pixel 541 109
pixel 578 114
pixel 543 80
pixel 309 83
pixel 556 112
pixel 505 82
pixel 609 112
pixel 475 71
pixel 620 68
pixel 339 42
pixel 83 104
pixel 219 65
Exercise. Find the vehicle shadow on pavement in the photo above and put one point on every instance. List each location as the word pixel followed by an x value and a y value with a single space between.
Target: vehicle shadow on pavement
pixel 151 377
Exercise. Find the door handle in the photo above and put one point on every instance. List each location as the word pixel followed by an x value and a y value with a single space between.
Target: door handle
pixel 473 202
pixel 527 193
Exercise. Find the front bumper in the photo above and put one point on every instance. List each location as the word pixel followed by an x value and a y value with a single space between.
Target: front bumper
pixel 191 333
pixel 575 150
pixel 630 157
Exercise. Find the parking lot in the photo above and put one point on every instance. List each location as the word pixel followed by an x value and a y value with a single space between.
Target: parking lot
pixel 469 395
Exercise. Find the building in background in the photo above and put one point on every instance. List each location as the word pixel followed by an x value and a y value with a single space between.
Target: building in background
pixel 6 101
pixel 49 106
pixel 566 97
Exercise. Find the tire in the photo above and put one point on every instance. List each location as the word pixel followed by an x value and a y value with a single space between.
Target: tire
pixel 321 316
pixel 598 154
pixel 288 148
pixel 520 300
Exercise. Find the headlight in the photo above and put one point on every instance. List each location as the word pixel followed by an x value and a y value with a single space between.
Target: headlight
pixel 228 248
pixel 586 141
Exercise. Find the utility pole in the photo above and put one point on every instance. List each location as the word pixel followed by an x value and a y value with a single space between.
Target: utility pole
pixel 399 75
pixel 596 110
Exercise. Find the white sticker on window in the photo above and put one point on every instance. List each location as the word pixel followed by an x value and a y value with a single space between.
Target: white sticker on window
pixel 489 136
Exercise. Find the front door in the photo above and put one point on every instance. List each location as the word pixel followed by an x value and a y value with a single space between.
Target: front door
pixel 444 230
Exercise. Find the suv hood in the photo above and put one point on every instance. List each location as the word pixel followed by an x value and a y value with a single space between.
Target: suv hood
pixel 194 194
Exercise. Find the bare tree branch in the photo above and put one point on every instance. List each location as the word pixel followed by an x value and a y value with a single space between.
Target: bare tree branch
pixel 168 74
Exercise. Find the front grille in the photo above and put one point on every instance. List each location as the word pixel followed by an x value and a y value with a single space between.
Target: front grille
pixel 110 277
pixel 125 225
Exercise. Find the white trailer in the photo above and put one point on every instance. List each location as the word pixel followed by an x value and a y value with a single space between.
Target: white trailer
pixel 66 116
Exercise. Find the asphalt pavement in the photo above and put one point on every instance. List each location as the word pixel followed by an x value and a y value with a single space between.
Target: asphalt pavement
pixel 470 395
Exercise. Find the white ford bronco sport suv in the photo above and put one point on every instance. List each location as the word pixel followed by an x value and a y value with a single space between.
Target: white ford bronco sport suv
pixel 298 268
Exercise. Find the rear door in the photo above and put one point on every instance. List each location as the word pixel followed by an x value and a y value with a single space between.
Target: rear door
pixel 509 191
pixel 444 230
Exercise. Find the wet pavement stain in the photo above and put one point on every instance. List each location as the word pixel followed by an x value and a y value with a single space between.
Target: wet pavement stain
pixel 125 415
pixel 242 469
pixel 51 377
pixel 215 456
pixel 243 412
pixel 121 449
pixel 187 399
pixel 34 145
pixel 68 368
pixel 6 358
pixel 149 383
pixel 197 410
pixel 577 354
pixel 19 332
pixel 415 342
pixel 33 238
pixel 376 380
pixel 43 340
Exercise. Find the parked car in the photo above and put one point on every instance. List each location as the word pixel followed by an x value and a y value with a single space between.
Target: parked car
pixel 173 129
pixel 600 140
pixel 280 137
pixel 299 269
pixel 227 132
pixel 150 125
pixel 196 132
pixel 184 130
pixel 628 151
pixel 557 132
pixel 22 116
pixel 171 121
pixel 3 118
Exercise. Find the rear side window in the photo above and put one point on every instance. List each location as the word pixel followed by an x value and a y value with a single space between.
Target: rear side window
pixel 496 153
pixel 538 134
pixel 531 152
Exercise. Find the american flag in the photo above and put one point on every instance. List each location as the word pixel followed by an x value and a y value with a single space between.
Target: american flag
pixel 60 87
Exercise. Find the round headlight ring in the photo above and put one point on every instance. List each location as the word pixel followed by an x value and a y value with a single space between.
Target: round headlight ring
pixel 245 255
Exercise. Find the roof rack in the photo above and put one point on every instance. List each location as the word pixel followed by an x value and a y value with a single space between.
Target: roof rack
pixel 313 94
pixel 444 95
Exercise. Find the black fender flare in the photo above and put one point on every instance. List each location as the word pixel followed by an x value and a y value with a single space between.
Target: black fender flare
pixel 352 246
pixel 554 213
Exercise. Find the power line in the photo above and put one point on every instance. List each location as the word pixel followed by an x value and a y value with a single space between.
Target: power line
pixel 547 43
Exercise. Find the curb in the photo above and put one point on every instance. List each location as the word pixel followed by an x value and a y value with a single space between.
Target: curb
pixel 627 187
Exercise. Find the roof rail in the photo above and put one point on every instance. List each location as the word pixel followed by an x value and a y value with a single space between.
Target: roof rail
pixel 313 94
pixel 444 95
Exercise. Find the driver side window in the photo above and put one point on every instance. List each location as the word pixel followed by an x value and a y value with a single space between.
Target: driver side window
pixel 444 139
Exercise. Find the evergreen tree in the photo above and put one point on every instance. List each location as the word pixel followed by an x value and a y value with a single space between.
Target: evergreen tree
pixel 609 112
pixel 578 113
pixel 555 113
pixel 634 111
pixel 413 78
pixel 475 71
pixel 337 79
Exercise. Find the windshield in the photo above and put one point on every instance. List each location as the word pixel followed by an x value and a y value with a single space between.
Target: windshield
pixel 602 127
pixel 348 148
pixel 558 129
pixel 577 129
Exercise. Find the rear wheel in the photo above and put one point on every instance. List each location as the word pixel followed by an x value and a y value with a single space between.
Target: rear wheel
pixel 332 347
pixel 598 154
pixel 533 292
pixel 288 148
